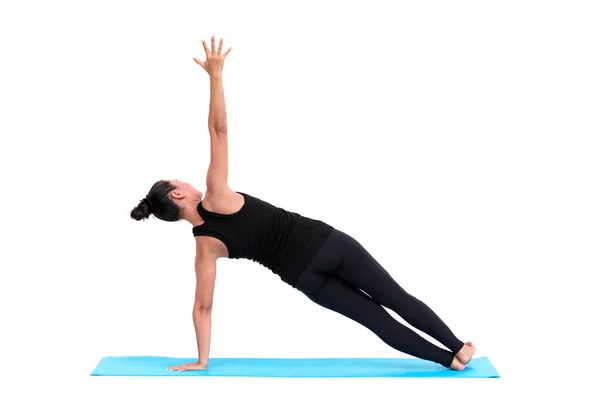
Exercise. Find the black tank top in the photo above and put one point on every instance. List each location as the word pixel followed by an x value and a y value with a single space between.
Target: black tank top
pixel 283 241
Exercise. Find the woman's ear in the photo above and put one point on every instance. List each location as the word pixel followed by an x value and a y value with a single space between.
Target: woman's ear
pixel 175 194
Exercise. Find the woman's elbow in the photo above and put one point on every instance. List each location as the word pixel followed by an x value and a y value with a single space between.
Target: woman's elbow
pixel 202 307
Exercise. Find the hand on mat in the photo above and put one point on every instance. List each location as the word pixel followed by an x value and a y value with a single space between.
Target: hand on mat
pixel 214 58
pixel 193 366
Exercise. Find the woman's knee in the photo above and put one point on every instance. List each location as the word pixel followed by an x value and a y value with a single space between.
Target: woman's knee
pixel 396 299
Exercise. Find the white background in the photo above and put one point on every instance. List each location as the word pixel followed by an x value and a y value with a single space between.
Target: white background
pixel 457 141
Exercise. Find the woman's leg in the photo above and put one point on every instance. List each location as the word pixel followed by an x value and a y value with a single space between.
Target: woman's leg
pixel 352 303
pixel 360 270
pixel 320 284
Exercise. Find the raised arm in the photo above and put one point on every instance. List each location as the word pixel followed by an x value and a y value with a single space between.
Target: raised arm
pixel 216 178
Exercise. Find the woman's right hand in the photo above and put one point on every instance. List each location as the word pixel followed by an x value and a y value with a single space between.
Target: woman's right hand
pixel 214 59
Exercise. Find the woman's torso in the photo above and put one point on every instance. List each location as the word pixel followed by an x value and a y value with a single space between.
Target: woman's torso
pixel 226 205
pixel 244 226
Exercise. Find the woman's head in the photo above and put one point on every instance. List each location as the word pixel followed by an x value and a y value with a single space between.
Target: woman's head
pixel 167 200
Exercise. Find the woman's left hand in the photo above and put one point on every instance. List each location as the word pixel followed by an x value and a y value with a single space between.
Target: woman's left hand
pixel 193 366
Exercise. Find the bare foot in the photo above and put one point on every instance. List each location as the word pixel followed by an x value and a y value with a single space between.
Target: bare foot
pixel 466 353
pixel 457 365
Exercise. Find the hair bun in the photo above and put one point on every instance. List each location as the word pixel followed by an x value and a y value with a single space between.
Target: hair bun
pixel 148 204
pixel 143 210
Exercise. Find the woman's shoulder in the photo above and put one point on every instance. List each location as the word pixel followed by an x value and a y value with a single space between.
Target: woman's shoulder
pixel 224 201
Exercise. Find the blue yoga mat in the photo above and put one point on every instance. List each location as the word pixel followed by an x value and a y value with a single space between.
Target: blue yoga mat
pixel 294 367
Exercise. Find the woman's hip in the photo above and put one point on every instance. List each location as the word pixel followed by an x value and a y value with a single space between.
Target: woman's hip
pixel 326 261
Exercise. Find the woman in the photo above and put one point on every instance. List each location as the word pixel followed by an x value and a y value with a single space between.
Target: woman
pixel 327 265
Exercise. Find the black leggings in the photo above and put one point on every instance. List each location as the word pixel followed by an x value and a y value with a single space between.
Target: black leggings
pixel 335 278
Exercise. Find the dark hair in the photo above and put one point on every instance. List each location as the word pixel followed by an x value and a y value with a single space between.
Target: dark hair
pixel 157 202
